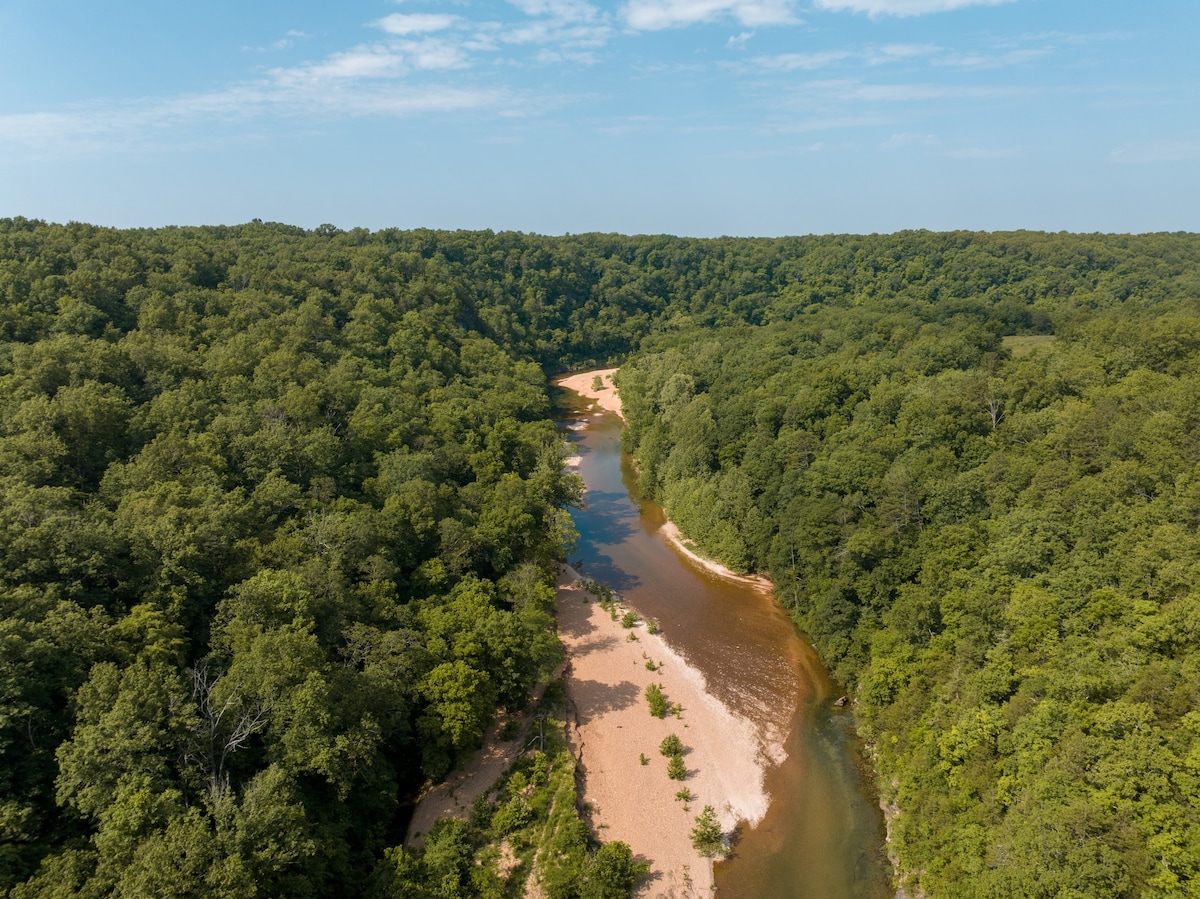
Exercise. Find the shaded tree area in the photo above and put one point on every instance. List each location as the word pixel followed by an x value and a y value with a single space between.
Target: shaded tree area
pixel 993 544
pixel 277 509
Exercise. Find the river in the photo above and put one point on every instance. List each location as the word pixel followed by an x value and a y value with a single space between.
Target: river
pixel 823 835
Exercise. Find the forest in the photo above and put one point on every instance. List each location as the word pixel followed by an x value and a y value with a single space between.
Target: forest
pixel 279 510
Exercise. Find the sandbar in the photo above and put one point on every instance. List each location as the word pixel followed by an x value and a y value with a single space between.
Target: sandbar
pixel 610 730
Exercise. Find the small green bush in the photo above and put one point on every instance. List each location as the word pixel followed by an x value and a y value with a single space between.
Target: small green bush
pixel 658 703
pixel 671 745
pixel 676 769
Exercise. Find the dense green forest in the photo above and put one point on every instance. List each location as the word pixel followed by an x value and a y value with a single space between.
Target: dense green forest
pixel 993 542
pixel 279 507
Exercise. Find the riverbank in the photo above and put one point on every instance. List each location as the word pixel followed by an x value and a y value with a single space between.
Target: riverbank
pixel 606 397
pixel 610 730
pixel 454 796
pixel 673 536
pixel 609 399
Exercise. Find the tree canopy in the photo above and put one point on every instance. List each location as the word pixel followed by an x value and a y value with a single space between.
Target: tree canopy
pixel 277 509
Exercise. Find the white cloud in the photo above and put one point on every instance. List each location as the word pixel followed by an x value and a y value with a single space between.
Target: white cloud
pixel 872 56
pixel 845 91
pixel 790 62
pixel 984 153
pixel 153 123
pixel 655 15
pixel 737 41
pixel 832 123
pixel 406 100
pixel 898 53
pixel 901 8
pixel 631 125
pixel 909 139
pixel 994 60
pixel 375 61
pixel 415 23
pixel 432 53
pixel 1156 151
pixel 547 57
pixel 562 10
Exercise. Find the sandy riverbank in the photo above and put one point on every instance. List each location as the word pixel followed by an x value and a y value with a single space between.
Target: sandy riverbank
pixel 453 797
pixel 610 729
pixel 608 399
pixel 676 539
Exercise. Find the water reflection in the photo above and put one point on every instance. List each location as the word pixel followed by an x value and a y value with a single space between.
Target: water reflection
pixel 822 837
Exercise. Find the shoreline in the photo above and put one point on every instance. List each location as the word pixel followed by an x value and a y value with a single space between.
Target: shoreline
pixel 452 797
pixel 610 731
pixel 680 543
pixel 610 728
pixel 610 400
pixel 607 398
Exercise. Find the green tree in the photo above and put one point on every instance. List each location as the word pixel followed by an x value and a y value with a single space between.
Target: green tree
pixel 612 873
pixel 707 837
pixel 676 769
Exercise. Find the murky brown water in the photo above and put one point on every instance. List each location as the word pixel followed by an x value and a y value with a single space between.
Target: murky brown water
pixel 823 835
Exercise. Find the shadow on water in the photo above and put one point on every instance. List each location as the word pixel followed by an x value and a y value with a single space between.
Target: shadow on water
pixel 606 523
pixel 822 837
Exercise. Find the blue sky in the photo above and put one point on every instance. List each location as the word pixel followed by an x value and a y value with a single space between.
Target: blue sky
pixel 696 117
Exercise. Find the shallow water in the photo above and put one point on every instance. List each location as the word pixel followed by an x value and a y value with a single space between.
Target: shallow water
pixel 822 837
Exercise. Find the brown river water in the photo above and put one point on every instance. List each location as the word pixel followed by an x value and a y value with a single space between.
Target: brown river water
pixel 823 835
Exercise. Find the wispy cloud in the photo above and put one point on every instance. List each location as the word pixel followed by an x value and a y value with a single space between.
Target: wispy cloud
pixel 984 153
pixel 1156 151
pixel 376 61
pixel 631 125
pixel 289 38
pixel 151 123
pixel 655 15
pixel 384 77
pixel 994 60
pixel 415 23
pixel 910 139
pixel 831 123
pixel 936 146
pixel 562 10
pixel 889 53
pixel 877 8
pixel 561 34
pixel 790 62
pixel 870 56
pixel 851 90
pixel 994 55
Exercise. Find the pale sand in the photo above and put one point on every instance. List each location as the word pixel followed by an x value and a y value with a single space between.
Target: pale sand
pixel 677 540
pixel 453 797
pixel 610 727
pixel 581 383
